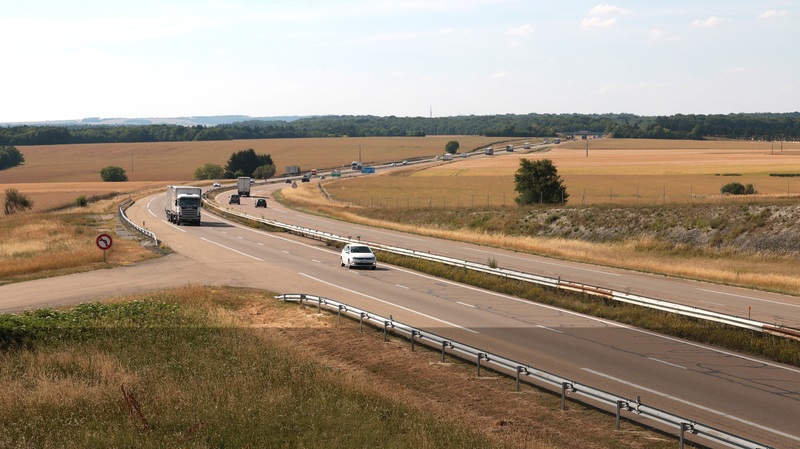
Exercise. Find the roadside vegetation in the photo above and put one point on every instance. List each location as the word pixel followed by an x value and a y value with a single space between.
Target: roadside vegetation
pixel 222 367
pixel 45 244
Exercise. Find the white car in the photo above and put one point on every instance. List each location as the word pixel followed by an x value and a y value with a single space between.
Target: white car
pixel 216 184
pixel 358 255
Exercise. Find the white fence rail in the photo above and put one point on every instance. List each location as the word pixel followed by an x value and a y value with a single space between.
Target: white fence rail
pixel 636 409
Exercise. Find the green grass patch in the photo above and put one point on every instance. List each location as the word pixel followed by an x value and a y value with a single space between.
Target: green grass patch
pixel 177 369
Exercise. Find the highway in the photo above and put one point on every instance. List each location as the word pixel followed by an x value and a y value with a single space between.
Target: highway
pixel 753 398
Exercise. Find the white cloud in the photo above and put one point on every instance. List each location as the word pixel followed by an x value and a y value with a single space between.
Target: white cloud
pixel 658 35
pixel 601 10
pixel 710 22
pixel 521 31
pixel 603 16
pixel 772 14
pixel 597 22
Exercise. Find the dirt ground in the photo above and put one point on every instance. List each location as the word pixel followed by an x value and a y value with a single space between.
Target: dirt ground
pixel 452 391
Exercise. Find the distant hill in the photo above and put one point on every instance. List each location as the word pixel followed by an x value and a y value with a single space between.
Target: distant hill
pixel 210 120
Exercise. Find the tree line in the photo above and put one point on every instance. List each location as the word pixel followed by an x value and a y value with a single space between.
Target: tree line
pixel 762 126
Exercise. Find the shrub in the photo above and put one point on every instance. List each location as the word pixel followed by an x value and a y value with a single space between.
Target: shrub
pixel 733 188
pixel 113 173
pixel 81 201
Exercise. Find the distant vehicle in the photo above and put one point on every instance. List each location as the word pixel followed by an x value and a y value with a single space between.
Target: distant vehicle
pixel 556 140
pixel 305 179
pixel 313 172
pixel 488 151
pixel 216 184
pixel 526 146
pixel 437 157
pixel 183 204
pixel 244 185
pixel 288 181
pixel 393 164
pixel 509 147
pixel 447 157
pixel 358 255
pixel 463 155
pixel 336 174
pixel 367 169
pixel 405 162
pixel 292 170
pixel 234 199
pixel 355 165
pixel 261 202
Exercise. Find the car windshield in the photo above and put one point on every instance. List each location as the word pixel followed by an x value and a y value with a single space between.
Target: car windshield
pixel 360 249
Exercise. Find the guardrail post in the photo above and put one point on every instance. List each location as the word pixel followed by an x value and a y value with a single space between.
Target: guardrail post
pixel 445 344
pixel 684 427
pixel 619 413
pixel 520 369
pixel 385 330
pixel 566 387
pixel 319 305
pixel 481 356
pixel 339 314
pixel 361 321
pixel 302 298
pixel 414 333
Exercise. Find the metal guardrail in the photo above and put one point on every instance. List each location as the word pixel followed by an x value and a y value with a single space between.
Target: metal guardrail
pixel 526 373
pixel 680 309
pixel 131 225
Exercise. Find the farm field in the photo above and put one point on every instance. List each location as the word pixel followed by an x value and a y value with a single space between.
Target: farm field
pixel 55 175
pixel 626 171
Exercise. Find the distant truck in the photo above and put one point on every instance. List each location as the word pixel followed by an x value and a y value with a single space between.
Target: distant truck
pixel 292 170
pixel 355 165
pixel 447 157
pixel 368 170
pixel 183 204
pixel 488 151
pixel 244 185
pixel 526 146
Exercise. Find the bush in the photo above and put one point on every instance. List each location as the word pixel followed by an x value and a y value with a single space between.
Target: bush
pixel 733 188
pixel 81 201
pixel 113 173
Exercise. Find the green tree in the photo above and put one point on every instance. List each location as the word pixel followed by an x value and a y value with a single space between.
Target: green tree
pixel 10 157
pixel 538 182
pixel 112 173
pixel 264 172
pixel 452 146
pixel 209 171
pixel 16 202
pixel 246 162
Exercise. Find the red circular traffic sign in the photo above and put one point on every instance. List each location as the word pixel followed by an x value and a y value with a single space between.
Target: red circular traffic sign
pixel 103 241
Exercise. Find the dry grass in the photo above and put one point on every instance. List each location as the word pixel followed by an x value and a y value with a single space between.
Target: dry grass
pixel 177 161
pixel 49 244
pixel 619 171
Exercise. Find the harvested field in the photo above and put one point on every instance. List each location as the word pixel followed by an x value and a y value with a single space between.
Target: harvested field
pixel 627 171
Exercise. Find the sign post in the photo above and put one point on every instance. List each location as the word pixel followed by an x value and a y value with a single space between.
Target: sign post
pixel 103 242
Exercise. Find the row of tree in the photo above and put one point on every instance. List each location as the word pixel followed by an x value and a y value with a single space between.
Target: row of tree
pixel 241 163
pixel 733 126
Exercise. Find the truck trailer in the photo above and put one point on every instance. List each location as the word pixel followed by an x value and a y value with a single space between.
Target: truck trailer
pixel 183 204
pixel 292 170
pixel 244 185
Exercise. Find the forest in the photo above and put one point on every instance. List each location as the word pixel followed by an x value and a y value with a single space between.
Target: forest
pixel 755 126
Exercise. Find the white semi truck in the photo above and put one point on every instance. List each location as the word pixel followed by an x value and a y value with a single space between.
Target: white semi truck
pixel 244 185
pixel 183 204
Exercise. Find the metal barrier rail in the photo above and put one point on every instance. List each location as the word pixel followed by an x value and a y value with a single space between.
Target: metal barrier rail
pixel 131 225
pixel 524 372
pixel 680 309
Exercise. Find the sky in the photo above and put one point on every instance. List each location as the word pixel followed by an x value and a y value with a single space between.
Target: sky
pixel 406 58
